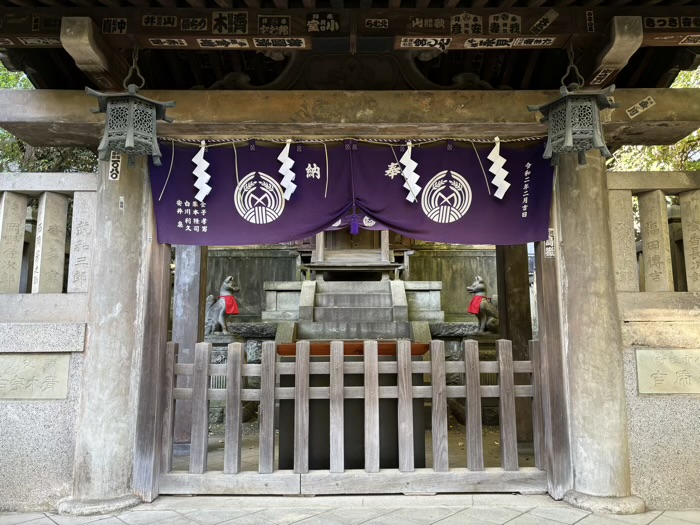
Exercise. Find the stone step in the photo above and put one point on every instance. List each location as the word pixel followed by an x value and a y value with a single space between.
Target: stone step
pixel 367 300
pixel 352 287
pixel 349 330
pixel 353 315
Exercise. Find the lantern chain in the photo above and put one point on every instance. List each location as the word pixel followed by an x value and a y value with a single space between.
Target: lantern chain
pixel 579 78
pixel 134 69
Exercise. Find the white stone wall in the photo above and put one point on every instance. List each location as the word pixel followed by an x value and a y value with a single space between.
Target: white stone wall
pixel 664 429
pixel 37 436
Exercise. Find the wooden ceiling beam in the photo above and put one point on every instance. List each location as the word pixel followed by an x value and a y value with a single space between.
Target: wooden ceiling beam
pixel 63 118
pixel 626 37
pixel 82 39
pixel 450 4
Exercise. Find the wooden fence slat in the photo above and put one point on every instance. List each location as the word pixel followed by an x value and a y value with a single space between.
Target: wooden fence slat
pixel 267 409
pixel 233 419
pixel 337 410
pixel 371 407
pixel 200 409
pixel 439 407
pixel 537 410
pixel 166 457
pixel 301 408
pixel 506 406
pixel 405 405
pixel 475 445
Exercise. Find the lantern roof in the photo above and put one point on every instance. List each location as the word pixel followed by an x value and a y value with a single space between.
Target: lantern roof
pixel 602 97
pixel 132 91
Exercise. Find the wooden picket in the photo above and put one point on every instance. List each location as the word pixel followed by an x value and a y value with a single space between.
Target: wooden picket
pixel 372 478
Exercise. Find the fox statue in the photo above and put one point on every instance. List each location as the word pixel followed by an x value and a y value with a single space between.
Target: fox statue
pixel 485 308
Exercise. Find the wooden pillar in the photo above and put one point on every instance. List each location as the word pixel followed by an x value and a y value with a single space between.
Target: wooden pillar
pixel 592 342
pixel 117 431
pixel 320 246
pixel 188 330
pixel 384 245
pixel 515 320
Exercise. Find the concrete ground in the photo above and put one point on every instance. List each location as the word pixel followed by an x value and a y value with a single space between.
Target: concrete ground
pixel 459 509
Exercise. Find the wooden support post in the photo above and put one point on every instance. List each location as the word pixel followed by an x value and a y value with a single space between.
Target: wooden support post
pixel 13 212
pixel 405 405
pixel 301 408
pixel 475 445
pixel 506 406
pixel 200 409
pixel 234 415
pixel 166 458
pixel 384 245
pixel 337 413
pixel 266 410
pixel 371 407
pixel 515 319
pixel 690 221
pixel 537 410
pixel 188 289
pixel 656 245
pixel 320 246
pixel 50 251
pixel 439 407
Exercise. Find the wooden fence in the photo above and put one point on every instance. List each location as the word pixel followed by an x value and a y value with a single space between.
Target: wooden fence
pixel 441 477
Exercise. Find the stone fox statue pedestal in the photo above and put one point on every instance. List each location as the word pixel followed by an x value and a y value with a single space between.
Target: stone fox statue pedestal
pixel 485 308
pixel 218 308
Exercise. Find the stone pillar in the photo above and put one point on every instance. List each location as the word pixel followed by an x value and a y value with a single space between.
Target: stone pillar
pixel 13 212
pixel 117 322
pixel 50 249
pixel 190 276
pixel 690 221
pixel 656 245
pixel 592 341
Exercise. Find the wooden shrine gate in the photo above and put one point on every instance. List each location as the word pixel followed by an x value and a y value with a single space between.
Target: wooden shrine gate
pixel 442 477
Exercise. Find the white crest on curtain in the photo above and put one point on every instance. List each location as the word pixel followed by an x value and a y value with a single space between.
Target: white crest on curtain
pixel 200 171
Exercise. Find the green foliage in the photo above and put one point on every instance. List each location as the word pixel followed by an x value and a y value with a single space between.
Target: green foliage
pixel 16 155
pixel 681 156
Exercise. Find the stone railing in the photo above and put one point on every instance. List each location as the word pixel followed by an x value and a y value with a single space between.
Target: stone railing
pixel 654 311
pixel 44 276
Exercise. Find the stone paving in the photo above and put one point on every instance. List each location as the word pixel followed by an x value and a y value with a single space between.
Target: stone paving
pixel 477 509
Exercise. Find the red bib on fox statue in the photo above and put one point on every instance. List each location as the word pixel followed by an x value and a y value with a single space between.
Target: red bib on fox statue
pixel 231 304
pixel 475 304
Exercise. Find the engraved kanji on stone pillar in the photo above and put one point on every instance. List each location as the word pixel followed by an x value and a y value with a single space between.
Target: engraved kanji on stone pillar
pixel 623 245
pixel 81 242
pixel 13 212
pixel 656 246
pixel 690 222
pixel 50 251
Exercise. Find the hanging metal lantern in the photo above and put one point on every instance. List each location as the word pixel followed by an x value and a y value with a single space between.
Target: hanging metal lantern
pixel 573 120
pixel 574 123
pixel 131 123
pixel 131 119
